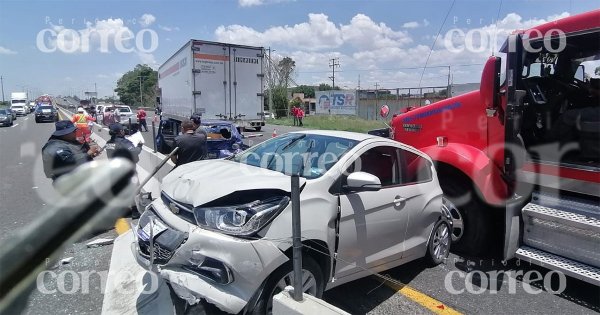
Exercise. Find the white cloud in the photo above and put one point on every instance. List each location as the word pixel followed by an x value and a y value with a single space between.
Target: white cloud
pixel 68 79
pixel 6 51
pixel 147 19
pixel 252 3
pixel 412 24
pixel 318 33
pixel 102 76
pixel 102 34
pixel 249 3
pixel 148 59
pixel 168 28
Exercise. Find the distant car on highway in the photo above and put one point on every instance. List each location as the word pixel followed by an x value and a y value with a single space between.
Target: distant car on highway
pixel 20 110
pixel 221 229
pixel 46 113
pixel 12 113
pixel 6 118
pixel 31 107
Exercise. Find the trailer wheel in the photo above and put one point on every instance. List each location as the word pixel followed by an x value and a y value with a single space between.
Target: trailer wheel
pixel 258 128
pixel 478 228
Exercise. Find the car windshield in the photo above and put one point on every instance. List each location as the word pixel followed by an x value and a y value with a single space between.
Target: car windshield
pixel 124 110
pixel 45 108
pixel 3 112
pixel 308 155
pixel 17 106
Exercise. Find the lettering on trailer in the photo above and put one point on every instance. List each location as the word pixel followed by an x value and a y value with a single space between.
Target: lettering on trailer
pixel 246 60
pixel 431 112
pixel 174 68
pixel 412 127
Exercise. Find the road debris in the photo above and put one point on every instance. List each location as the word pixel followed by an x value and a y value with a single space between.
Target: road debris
pixel 100 242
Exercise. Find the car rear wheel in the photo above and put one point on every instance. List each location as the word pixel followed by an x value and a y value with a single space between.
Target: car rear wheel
pixel 312 283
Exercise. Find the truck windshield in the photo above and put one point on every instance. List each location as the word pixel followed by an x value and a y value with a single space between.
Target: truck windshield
pixel 308 155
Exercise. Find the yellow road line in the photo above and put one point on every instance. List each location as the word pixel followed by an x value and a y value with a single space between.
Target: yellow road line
pixel 121 226
pixel 424 300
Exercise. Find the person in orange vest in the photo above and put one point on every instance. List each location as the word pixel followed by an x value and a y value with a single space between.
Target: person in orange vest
pixel 81 120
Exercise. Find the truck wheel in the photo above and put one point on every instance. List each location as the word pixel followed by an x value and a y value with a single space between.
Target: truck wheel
pixel 258 128
pixel 477 225
pixel 313 283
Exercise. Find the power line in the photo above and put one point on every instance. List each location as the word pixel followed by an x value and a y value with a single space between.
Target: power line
pixel 435 40
pixel 393 69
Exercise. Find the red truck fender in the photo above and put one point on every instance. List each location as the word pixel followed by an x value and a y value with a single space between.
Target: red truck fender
pixel 476 165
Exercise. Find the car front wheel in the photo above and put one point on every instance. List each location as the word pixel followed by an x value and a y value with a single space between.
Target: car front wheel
pixel 439 243
pixel 312 283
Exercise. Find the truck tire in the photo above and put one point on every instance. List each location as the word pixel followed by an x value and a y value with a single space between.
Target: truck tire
pixel 258 128
pixel 477 217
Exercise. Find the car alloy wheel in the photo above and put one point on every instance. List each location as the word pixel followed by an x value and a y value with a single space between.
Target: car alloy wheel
pixel 441 242
pixel 457 219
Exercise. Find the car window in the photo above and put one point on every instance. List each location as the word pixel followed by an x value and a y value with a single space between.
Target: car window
pixel 2 112
pixel 381 161
pixel 310 155
pixel 414 169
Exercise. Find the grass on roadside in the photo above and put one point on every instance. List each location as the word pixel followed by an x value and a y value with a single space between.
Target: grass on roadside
pixel 332 122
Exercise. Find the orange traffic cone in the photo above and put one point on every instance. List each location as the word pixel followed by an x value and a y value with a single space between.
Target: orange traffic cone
pixel 274 133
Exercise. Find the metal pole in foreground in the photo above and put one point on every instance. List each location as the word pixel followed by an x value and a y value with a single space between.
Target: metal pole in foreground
pixel 154 135
pixel 297 243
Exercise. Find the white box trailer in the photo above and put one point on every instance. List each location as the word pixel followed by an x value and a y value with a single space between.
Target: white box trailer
pixel 216 80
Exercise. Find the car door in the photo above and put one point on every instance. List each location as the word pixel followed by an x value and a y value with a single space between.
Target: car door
pixel 373 223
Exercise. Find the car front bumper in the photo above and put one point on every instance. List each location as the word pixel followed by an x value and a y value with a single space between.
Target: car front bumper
pixel 242 264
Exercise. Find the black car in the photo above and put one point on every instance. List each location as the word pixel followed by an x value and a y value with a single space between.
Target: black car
pixel 6 118
pixel 46 113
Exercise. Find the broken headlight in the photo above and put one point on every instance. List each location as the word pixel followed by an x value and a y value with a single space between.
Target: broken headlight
pixel 243 220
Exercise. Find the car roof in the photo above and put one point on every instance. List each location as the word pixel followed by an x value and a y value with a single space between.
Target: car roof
pixel 339 134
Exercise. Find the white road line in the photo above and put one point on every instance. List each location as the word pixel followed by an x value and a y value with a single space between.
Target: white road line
pixel 13 126
pixel 26 118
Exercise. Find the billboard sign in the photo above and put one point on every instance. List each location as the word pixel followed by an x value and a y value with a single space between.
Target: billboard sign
pixel 337 102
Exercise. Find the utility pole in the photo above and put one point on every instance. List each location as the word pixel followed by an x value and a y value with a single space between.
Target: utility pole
pixel 334 62
pixel 376 98
pixel 95 92
pixel 2 82
pixel 141 100
pixel 448 95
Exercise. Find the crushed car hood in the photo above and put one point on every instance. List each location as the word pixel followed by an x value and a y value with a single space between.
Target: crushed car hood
pixel 200 182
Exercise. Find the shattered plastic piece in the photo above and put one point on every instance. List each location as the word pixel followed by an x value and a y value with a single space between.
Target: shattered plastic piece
pixel 65 261
pixel 100 242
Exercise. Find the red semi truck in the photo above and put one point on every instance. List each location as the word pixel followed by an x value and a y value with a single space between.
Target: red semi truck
pixel 519 159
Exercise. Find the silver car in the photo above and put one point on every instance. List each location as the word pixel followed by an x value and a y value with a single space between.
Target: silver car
pixel 221 231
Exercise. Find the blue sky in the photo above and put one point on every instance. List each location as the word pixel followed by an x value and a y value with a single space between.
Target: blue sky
pixel 376 39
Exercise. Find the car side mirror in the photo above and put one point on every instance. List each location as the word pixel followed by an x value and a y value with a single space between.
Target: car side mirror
pixel 362 181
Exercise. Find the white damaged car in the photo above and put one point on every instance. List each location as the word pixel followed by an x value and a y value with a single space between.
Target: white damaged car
pixel 222 229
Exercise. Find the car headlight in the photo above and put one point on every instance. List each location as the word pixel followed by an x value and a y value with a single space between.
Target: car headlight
pixel 242 220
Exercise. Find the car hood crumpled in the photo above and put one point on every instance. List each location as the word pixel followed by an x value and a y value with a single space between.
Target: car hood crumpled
pixel 200 182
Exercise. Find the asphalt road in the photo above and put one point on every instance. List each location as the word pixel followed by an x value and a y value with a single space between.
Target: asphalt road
pixel 462 285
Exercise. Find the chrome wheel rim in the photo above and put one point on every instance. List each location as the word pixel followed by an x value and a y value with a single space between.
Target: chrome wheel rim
pixel 441 242
pixel 309 286
pixel 457 220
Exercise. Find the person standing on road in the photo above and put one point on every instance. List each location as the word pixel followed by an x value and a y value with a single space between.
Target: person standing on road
pixel 141 116
pixel 109 117
pixel 300 116
pixel 81 121
pixel 192 145
pixel 63 153
pixel 118 145
pixel 295 114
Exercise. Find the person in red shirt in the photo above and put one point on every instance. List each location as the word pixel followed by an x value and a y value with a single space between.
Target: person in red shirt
pixel 141 116
pixel 295 115
pixel 300 116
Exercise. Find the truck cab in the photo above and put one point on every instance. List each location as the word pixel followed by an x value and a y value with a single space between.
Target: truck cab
pixel 519 160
